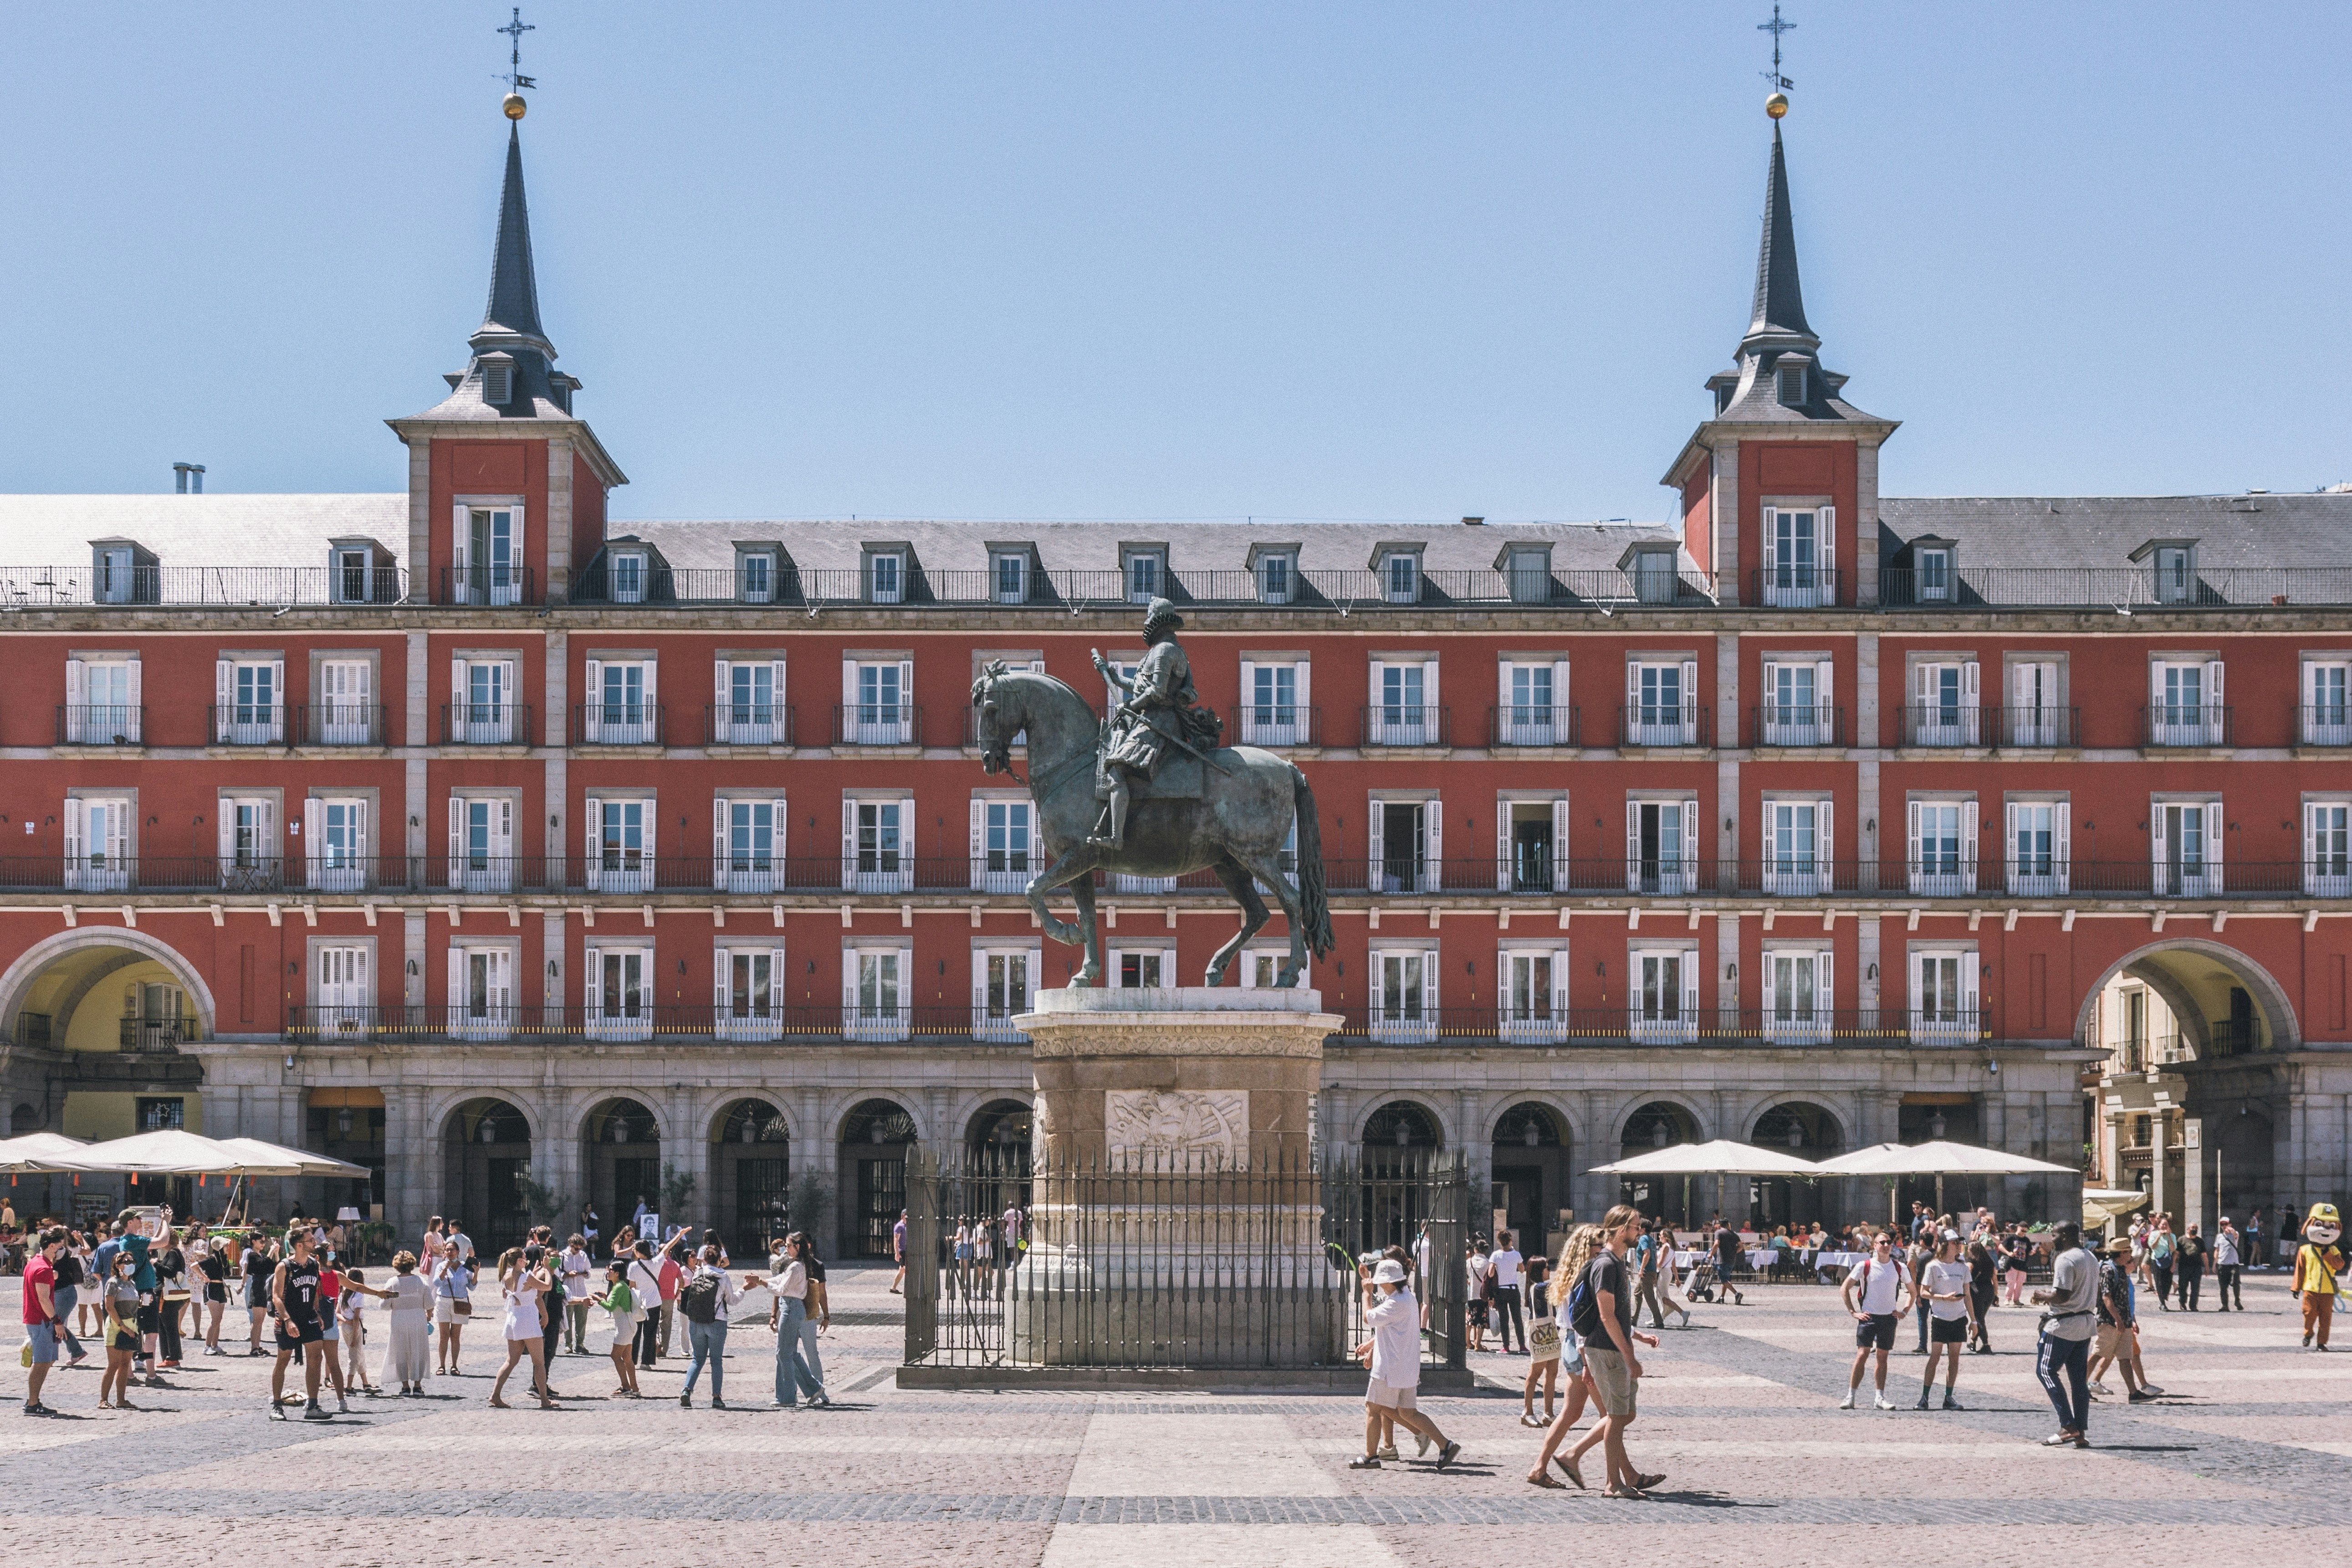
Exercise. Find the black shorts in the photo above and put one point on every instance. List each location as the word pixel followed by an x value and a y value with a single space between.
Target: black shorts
pixel 307 1332
pixel 216 1292
pixel 151 1317
pixel 1947 1330
pixel 1874 1333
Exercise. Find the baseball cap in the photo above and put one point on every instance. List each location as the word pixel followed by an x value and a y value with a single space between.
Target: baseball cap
pixel 1950 1235
pixel 1389 1272
pixel 2225 1219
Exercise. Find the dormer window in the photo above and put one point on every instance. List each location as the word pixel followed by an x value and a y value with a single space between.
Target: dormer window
pixel 1400 573
pixel 1276 573
pixel 498 380
pixel 359 573
pixel 1146 574
pixel 1934 566
pixel 2175 573
pixel 1791 385
pixel 1008 577
pixel 1527 572
pixel 122 574
pixel 885 576
pixel 626 569
pixel 1655 570
pixel 755 576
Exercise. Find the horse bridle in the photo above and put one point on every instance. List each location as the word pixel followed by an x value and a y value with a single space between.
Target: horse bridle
pixel 1039 789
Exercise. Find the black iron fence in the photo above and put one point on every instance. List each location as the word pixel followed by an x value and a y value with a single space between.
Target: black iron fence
pixel 1158 1265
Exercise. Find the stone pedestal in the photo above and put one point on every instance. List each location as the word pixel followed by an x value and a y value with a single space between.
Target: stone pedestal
pixel 1177 1213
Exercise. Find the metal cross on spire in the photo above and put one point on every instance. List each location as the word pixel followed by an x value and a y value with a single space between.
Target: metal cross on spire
pixel 1775 26
pixel 514 31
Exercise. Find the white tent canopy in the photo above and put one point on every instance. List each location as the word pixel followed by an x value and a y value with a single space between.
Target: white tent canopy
pixel 1722 1157
pixel 312 1165
pixel 173 1153
pixel 2101 1204
pixel 1938 1159
pixel 37 1152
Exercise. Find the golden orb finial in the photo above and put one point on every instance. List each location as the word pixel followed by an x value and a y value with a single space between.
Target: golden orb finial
pixel 514 106
pixel 1776 106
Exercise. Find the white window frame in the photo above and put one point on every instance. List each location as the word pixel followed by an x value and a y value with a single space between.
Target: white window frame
pixel 1160 954
pixel 1794 723
pixel 342 996
pixel 1429 829
pixel 883 720
pixel 1659 873
pixel 1793 873
pixel 748 723
pixel 1018 561
pixel 1005 849
pixel 2324 708
pixel 1143 574
pixel 2175 573
pixel 756 564
pixel 614 1014
pixel 2173 722
pixel 1788 582
pixel 495 872
pixel 328 866
pixel 2024 875
pixel 1507 857
pixel 345 704
pixel 1932 581
pixel 2037 713
pixel 756 1020
pixel 629 720
pixel 1535 1012
pixel 491 1015
pixel 1656 1014
pixel 492 721
pixel 1789 1017
pixel 246 835
pixel 992 1013
pixel 868 1011
pixel 885 576
pixel 868 864
pixel 1409 720
pixel 742 868
pixel 1526 723
pixel 99 725
pixel 1277 577
pixel 249 701
pixel 2327 847
pixel 101 841
pixel 1932 722
pixel 613 863
pixel 1651 719
pixel 2173 874
pixel 1401 576
pixel 1933 877
pixel 1954 1016
pixel 1275 723
pixel 501 578
pixel 1398 1016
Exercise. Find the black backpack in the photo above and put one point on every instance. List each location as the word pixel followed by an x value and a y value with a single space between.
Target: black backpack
pixel 700 1299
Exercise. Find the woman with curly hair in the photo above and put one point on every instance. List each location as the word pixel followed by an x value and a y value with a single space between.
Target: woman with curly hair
pixel 1575 1254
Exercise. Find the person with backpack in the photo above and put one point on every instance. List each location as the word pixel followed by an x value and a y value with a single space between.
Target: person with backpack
pixel 1602 1313
pixel 704 1300
pixel 1873 1296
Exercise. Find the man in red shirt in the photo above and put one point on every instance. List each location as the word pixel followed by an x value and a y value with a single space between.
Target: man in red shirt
pixel 41 1315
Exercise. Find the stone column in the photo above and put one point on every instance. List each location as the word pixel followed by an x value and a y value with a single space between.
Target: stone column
pixel 2161 1198
pixel 2194 1189
pixel 1477 1157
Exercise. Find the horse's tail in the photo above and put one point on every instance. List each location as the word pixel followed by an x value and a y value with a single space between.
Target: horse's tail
pixel 1315 906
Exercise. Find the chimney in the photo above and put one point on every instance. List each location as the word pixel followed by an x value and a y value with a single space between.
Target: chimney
pixel 1472 521
pixel 188 479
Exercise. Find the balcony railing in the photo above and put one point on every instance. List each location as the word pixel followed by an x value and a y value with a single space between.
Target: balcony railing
pixel 1276 724
pixel 2325 724
pixel 1665 724
pixel 876 724
pixel 338 724
pixel 490 587
pixel 246 724
pixel 209 588
pixel 2186 724
pixel 1517 724
pixel 752 1022
pixel 617 724
pixel 2116 588
pixel 2046 726
pixel 1552 1022
pixel 1793 587
pixel 1404 724
pixel 747 724
pixel 1944 724
pixel 485 724
pixel 156 1036
pixel 101 724
pixel 1790 724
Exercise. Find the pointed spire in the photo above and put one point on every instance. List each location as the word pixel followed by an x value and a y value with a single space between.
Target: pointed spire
pixel 512 312
pixel 1779 318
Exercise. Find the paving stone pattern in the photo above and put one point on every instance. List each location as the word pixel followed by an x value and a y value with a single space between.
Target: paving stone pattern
pixel 2249 1443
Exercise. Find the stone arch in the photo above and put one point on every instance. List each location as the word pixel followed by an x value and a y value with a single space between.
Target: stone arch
pixel 442 1113
pixel 871 1138
pixel 2270 998
pixel 1797 1099
pixel 752 1171
pixel 1789 1200
pixel 1532 1182
pixel 623 1147
pixel 480 1177
pixel 20 974
pixel 1622 1119
pixel 844 1124
pixel 1447 1136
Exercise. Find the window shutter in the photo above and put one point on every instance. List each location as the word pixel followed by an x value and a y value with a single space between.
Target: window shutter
pixel 907 726
pixel 849 690
pixel 775 983
pixel 2061 840
pixel 1971 1005
pixel 1690 987
pixel 76 821
pixel 592 684
pixel 1503 867
pixel 1771 552
pixel 2011 867
pixel 592 976
pixel 776 839
pixel 776 735
pixel 1304 696
pixel 1825 989
pixel 311 854
pixel 848 844
pixel 1432 824
pixel 457 694
pixel 979 843
pixel 1824 847
pixel 1690 843
pixel 653 815
pixel 276 716
pixel 2213 846
pixel 136 720
pixel 1970 830
pixel 1632 696
pixel 265 831
pixel 718 842
pixel 224 696
pixel 1557 717
pixel 1376 824
pixel 2155 840
pixel 652 691
pixel 2155 684
pixel 592 839
pixel 1502 696
pixel 76 696
pixel 2310 687
pixel 1771 988
pixel 1771 696
pixel 1249 685
pixel 461 541
pixel 2310 843
pixel 720 966
pixel 1825 696
pixel 1971 703
pixel 454 995
pixel 226 831
pixel 1912 863
pixel 1633 846
pixel 457 841
pixel 1562 871
pixel 1690 695
pixel 1826 529
pixel 723 697
pixel 2213 682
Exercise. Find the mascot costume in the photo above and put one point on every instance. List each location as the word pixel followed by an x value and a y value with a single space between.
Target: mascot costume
pixel 2316 1264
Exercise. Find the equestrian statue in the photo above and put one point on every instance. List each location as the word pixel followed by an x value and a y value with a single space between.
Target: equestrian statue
pixel 1149 791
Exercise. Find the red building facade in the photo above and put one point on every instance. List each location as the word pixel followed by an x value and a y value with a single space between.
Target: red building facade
pixel 523 857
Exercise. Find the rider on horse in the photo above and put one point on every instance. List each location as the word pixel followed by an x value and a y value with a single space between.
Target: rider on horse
pixel 1156 712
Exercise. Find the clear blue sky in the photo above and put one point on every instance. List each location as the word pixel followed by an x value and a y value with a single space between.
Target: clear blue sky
pixel 1191 260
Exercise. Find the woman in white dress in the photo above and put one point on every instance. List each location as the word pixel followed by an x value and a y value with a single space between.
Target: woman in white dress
pixel 411 1300
pixel 526 1282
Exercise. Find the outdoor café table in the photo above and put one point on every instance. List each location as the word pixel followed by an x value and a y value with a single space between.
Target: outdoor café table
pixel 1826 1262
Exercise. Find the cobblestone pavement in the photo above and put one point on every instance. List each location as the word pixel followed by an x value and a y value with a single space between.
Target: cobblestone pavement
pixel 2248 1443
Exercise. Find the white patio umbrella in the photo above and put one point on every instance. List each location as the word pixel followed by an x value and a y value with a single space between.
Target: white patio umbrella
pixel 1723 1157
pixel 2101 1204
pixel 1938 1159
pixel 173 1152
pixel 311 1164
pixel 37 1153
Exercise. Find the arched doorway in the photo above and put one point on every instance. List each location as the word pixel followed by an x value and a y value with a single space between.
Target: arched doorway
pixel 485 1149
pixel 623 1167
pixel 1660 1124
pixel 1400 1139
pixel 751 1169
pixel 1531 1174
pixel 1810 1133
pixel 873 1142
pixel 998 1142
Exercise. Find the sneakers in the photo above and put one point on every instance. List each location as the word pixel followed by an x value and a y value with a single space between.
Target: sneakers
pixel 316 1411
pixel 2099 1388
pixel 686 1402
pixel 2140 1396
pixel 1881 1403
pixel 277 1410
pixel 1422 1440
pixel 719 1405
pixel 1364 1462
pixel 1847 1402
pixel 1448 1454
pixel 1950 1403
pixel 1922 1405
pixel 1388 1452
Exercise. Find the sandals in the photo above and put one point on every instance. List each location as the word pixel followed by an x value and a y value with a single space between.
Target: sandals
pixel 1543 1478
pixel 1644 1483
pixel 1635 1494
pixel 1529 1419
pixel 1568 1467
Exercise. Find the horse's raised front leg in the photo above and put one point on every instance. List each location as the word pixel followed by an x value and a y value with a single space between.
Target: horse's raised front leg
pixel 1268 868
pixel 1091 970
pixel 1237 881
pixel 1078 864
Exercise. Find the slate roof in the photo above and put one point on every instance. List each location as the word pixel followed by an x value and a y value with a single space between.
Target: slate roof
pixel 210 529
pixel 2231 530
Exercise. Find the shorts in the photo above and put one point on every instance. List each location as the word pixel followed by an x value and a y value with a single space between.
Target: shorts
pixel 216 1292
pixel 1611 1380
pixel 44 1339
pixel 1947 1330
pixel 444 1310
pixel 332 1332
pixel 150 1316
pixel 306 1332
pixel 1875 1333
pixel 2112 1341
pixel 1390 1396
pixel 123 1340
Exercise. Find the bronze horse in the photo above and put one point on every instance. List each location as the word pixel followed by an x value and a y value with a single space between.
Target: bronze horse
pixel 1234 828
